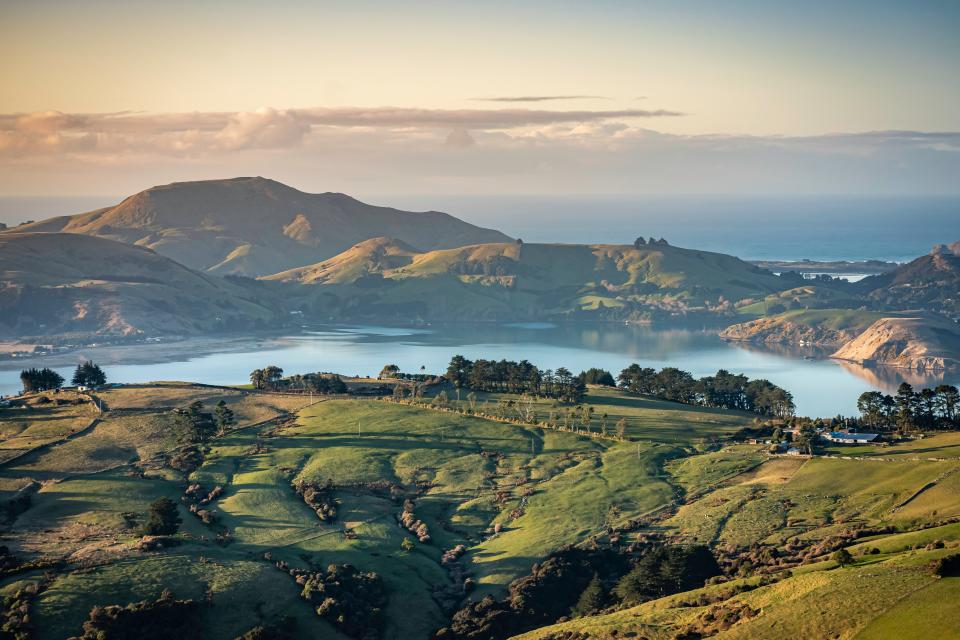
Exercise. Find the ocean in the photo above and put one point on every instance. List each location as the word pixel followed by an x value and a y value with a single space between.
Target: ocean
pixel 751 227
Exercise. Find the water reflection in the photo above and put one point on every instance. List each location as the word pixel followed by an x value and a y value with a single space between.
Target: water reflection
pixel 820 386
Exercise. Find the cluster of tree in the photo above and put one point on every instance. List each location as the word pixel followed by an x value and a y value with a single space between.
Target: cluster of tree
pixel 598 376
pixel 45 379
pixel 271 379
pixel 515 377
pixel 89 374
pixel 908 410
pixel 640 242
pixel 193 424
pixel 163 518
pixel 576 582
pixel 724 390
pixel 350 599
pixel 158 619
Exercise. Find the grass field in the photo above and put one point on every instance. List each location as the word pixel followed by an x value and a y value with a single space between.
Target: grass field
pixel 647 419
pixel 893 598
pixel 510 494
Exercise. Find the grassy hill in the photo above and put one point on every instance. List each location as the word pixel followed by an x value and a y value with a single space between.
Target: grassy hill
pixel 385 278
pixel 511 495
pixel 59 283
pixel 824 327
pixel 256 226
pixel 928 283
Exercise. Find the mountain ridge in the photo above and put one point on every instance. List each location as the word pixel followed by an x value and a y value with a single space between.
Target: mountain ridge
pixel 255 226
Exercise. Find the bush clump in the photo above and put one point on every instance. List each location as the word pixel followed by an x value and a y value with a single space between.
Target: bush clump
pixel 350 599
pixel 158 619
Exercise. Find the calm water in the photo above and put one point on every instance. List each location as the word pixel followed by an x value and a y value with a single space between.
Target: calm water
pixel 819 386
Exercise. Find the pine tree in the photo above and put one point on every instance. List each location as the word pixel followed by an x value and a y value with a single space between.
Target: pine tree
pixel 591 600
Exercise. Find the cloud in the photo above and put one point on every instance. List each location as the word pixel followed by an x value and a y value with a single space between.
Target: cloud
pixel 53 132
pixel 511 150
pixel 538 98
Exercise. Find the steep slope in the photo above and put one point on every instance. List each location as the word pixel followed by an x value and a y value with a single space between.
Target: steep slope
pixel 256 226
pixel 57 283
pixel 374 256
pixel 911 343
pixel 822 327
pixel 513 280
pixel 931 282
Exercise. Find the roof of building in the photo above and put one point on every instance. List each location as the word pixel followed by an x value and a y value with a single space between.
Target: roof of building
pixel 843 435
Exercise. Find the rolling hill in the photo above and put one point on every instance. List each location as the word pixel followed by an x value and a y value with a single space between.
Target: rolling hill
pixel 256 226
pixel 60 283
pixel 385 277
pixel 930 283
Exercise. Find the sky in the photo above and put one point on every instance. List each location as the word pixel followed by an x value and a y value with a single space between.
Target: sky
pixel 379 98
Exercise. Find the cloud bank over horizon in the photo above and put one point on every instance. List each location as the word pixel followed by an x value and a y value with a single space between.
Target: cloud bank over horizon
pixel 419 150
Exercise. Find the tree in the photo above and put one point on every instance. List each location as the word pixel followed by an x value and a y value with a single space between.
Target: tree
pixel 666 570
pixel 594 375
pixel 89 374
pixel 389 371
pixel 905 403
pixel 948 398
pixel 407 544
pixel 224 417
pixel 257 378
pixel 639 242
pixel 871 407
pixel 458 370
pixel 842 557
pixel 163 519
pixel 40 379
pixel 591 600
pixel 272 375
pixel 622 428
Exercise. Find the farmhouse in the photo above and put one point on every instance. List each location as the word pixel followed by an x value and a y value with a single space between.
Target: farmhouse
pixel 846 437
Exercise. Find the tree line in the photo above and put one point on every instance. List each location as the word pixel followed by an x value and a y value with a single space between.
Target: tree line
pixel 506 376
pixel 271 379
pixel 86 374
pixel 723 390
pixel 909 410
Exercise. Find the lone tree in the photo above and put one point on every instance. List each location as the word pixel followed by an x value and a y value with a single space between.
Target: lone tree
pixel 224 417
pixel 89 374
pixel 163 520
pixel 390 371
pixel 842 557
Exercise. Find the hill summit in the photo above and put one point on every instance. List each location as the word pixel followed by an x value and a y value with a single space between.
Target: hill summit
pixel 256 226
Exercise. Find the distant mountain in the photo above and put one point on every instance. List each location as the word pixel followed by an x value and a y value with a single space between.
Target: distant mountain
pixel 930 283
pixel 387 279
pixel 256 226
pixel 59 283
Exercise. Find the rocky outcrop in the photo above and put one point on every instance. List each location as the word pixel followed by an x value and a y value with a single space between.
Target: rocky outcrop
pixel 920 344
pixel 775 330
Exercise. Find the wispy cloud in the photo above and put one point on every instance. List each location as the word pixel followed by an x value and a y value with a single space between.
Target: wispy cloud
pixel 538 98
pixel 459 151
pixel 57 132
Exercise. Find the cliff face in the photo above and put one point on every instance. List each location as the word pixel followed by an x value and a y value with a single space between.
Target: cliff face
pixel 920 344
pixel 819 327
pixel 777 331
